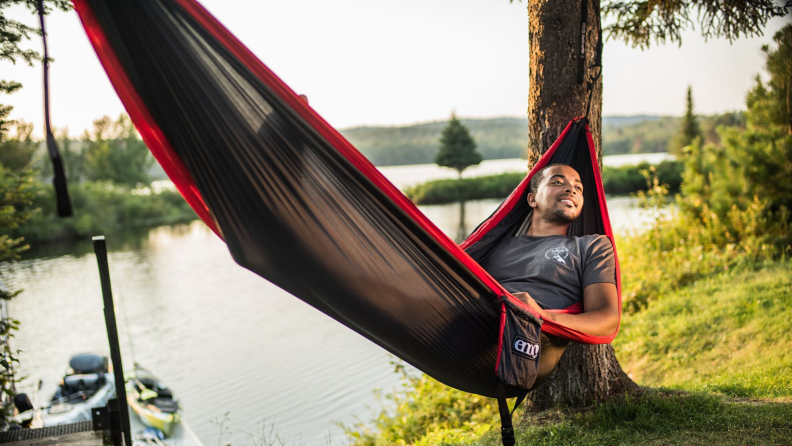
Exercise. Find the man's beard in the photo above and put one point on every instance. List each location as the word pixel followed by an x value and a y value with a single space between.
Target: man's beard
pixel 559 215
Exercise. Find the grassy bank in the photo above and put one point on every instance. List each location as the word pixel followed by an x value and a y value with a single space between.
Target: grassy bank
pixel 620 180
pixel 720 348
pixel 730 333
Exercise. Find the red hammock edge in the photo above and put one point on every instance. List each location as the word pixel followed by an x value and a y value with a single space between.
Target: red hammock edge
pixel 182 179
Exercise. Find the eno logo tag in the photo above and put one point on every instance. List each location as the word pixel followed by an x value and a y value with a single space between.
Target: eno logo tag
pixel 526 348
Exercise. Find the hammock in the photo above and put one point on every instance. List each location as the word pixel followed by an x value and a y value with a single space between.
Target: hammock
pixel 298 205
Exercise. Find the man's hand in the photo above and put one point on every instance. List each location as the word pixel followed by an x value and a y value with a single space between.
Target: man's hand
pixel 526 298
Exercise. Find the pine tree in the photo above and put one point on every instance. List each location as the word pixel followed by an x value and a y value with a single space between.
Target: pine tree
pixel 457 147
pixel 779 66
pixel 690 129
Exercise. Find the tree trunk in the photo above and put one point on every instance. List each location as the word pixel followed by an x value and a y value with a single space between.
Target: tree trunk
pixel 555 97
pixel 586 373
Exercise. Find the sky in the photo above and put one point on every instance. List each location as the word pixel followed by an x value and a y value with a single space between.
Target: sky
pixel 374 62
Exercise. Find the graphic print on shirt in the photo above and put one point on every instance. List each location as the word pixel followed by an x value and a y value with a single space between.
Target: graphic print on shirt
pixel 557 254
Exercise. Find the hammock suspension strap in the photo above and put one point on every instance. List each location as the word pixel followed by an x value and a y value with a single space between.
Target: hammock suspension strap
pixel 581 76
pixel 507 428
pixel 58 173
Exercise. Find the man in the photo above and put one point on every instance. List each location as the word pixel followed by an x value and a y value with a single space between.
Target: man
pixel 551 271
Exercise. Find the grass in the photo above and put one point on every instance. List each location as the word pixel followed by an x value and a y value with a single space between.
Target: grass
pixel 659 418
pixel 476 188
pixel 730 333
pixel 719 349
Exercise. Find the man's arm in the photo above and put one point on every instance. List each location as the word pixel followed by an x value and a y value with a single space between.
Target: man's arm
pixel 601 315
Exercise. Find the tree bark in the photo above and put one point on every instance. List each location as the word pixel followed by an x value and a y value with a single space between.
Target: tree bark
pixel 555 97
pixel 585 373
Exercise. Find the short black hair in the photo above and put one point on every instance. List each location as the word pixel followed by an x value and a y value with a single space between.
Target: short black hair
pixel 539 176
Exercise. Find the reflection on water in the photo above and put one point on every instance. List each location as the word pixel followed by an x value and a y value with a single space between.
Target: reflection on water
pixel 128 239
pixel 223 338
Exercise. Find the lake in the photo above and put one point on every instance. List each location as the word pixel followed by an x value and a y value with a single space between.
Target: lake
pixel 405 176
pixel 226 341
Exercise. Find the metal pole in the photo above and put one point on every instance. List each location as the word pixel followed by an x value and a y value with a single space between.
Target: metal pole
pixel 100 248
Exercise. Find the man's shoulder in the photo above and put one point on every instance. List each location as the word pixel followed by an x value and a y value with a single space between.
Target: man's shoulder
pixel 593 242
pixel 592 238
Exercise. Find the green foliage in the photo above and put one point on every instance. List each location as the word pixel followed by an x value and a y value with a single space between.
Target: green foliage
pixel 115 153
pixel 102 206
pixel 679 248
pixel 73 155
pixel 656 134
pixel 18 153
pixel 477 188
pixel 12 33
pixel 16 198
pixel 508 137
pixel 710 125
pixel 629 179
pixel 706 296
pixel 15 179
pixel 735 326
pixel 689 131
pixel 657 418
pixel 750 168
pixel 457 147
pixel 646 136
pixel 640 22
pixel 113 158
pixel 616 180
pixel 426 412
pixel 8 359
pixel 417 144
pixel 734 209
pixel 16 204
pixel 779 65
pixel 6 87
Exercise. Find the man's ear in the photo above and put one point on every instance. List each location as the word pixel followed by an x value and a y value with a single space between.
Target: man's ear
pixel 532 199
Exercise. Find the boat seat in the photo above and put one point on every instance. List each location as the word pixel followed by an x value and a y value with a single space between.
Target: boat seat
pixel 82 382
pixel 166 405
pixel 88 363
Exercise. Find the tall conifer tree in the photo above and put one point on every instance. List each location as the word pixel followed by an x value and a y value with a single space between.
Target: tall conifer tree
pixel 689 130
pixel 457 147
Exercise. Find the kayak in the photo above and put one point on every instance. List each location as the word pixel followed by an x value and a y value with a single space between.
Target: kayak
pixel 86 384
pixel 152 400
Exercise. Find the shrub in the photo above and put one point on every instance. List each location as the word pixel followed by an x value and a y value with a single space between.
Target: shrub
pixel 477 188
pixel 102 206
pixel 628 179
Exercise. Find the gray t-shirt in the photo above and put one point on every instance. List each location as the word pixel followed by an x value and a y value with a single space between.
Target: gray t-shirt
pixel 554 270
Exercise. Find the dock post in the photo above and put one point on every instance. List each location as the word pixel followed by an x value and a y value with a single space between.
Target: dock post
pixel 100 248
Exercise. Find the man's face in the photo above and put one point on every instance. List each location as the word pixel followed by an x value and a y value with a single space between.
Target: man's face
pixel 559 196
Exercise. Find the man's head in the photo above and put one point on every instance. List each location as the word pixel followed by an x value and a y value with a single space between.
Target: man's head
pixel 556 194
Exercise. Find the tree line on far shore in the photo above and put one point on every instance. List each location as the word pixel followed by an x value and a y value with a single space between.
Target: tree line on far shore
pixel 503 138
pixel 110 172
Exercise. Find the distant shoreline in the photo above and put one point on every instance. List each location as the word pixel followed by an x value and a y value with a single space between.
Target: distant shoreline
pixel 408 175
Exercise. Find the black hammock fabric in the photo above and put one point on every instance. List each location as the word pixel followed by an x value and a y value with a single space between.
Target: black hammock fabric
pixel 297 204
